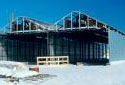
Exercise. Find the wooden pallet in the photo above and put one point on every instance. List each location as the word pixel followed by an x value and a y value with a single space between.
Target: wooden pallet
pixel 52 60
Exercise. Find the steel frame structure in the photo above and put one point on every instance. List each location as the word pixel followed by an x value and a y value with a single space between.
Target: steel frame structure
pixel 69 33
pixel 82 19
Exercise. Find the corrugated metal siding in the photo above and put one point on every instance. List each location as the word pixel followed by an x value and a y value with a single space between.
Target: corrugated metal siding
pixel 3 54
pixel 117 46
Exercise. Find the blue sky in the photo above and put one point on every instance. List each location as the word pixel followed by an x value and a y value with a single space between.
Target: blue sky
pixel 110 11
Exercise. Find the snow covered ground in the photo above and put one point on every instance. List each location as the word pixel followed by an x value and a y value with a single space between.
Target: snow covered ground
pixel 113 74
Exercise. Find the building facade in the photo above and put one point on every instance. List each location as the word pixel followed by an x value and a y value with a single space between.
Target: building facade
pixel 76 35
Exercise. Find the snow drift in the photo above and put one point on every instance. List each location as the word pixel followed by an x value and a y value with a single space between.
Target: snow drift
pixel 15 69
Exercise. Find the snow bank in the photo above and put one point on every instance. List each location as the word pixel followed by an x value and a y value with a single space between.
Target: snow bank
pixel 25 73
pixel 15 69
pixel 12 65
pixel 5 71
pixel 117 62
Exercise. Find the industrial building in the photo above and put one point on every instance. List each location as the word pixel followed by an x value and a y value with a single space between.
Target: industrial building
pixel 80 37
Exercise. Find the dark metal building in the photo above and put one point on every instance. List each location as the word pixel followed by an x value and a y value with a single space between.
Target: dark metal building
pixel 76 35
